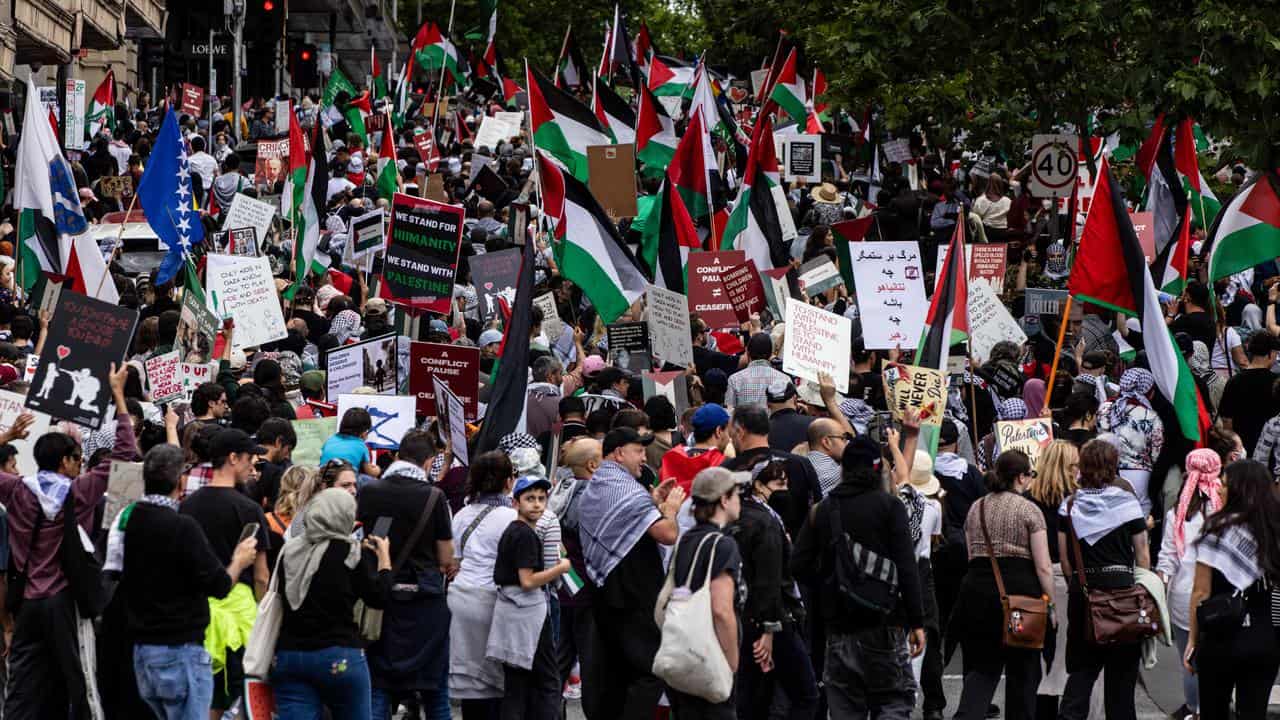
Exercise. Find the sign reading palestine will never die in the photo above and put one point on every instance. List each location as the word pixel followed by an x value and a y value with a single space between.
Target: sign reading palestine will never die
pixel 422 253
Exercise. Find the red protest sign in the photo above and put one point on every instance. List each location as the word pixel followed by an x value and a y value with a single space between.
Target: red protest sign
pixel 192 99
pixel 746 292
pixel 456 365
pixel 1145 227
pixel 425 142
pixel 987 262
pixel 707 295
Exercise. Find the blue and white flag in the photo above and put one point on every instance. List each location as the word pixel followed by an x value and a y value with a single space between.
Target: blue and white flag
pixel 165 194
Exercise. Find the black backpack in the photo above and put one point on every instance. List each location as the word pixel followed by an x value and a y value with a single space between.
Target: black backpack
pixel 865 582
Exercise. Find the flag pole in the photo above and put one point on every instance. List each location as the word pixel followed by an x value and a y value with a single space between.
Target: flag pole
pixel 116 245
pixel 444 65
pixel 1053 371
pixel 973 400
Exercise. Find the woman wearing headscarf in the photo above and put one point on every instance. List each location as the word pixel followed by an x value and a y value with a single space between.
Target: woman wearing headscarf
pixel 319 658
pixel 345 326
pixel 1139 429
pixel 1011 409
pixel 1201 495
pixel 1233 646
pixel 1033 392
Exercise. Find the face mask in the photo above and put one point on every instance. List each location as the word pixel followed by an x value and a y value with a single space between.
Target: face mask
pixel 780 502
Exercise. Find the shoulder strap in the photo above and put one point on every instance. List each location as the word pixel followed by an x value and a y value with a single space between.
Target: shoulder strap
pixel 693 561
pixel 991 551
pixel 1077 558
pixel 711 559
pixel 35 535
pixel 432 498
pixel 462 542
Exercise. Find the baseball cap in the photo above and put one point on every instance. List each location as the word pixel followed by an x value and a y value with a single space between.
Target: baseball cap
pixel 230 440
pixel 438 326
pixel 490 336
pixel 710 484
pixel 312 381
pixel 862 451
pixel 592 364
pixel 618 437
pixel 709 417
pixel 780 391
pixel 529 482
pixel 375 306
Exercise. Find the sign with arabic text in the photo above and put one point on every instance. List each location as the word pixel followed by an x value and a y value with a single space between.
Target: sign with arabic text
pixel 889 281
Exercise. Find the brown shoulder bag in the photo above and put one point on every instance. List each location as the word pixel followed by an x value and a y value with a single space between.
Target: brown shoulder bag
pixel 1115 616
pixel 1026 617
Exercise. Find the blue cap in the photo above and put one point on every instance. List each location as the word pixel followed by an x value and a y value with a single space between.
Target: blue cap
pixel 437 325
pixel 490 336
pixel 528 482
pixel 709 417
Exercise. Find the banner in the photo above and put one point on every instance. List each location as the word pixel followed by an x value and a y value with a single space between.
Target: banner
pixel 629 347
pixel 192 99
pixel 923 389
pixel 669 326
pixel 1030 436
pixel 422 253
pixel 457 365
pixel 243 289
pixel 12 405
pixel 890 287
pixel 247 212
pixel 817 341
pixel 746 292
pixel 451 416
pixel 494 276
pixel 707 296
pixel 84 338
pixel 370 363
pixel 392 415
pixel 990 322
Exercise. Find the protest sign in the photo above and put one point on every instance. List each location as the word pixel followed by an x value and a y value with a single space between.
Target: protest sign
pixel 116 186
pixel 552 327
pixel 758 79
pixel 494 276
pixel 243 289
pixel 422 253
pixel 452 418
pixel 124 485
pixel 197 328
pixel 312 434
pixel 819 275
pixel 890 287
pixel 1144 227
pixel 85 337
pixel 669 325
pixel 49 298
pixel 920 388
pixel 29 372
pixel 987 263
pixel 236 241
pixel 192 99
pixel 817 341
pixel 495 130
pixel 990 322
pixel 193 375
pixel 73 124
pixel 11 406
pixel 898 150
pixel 392 415
pixel 247 212
pixel 612 178
pixel 1030 436
pixel 746 292
pixel 455 364
pixel 425 145
pixel 371 363
pixel 707 296
pixel 802 158
pixel 671 385
pixel 776 289
pixel 1042 301
pixel 629 347
pixel 272 163
pixel 164 377
pixel 366 234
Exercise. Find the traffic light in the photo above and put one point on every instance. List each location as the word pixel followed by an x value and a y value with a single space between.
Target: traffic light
pixel 268 5
pixel 303 63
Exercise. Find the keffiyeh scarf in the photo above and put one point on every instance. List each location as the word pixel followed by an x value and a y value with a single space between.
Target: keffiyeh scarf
pixel 615 512
pixel 1134 386
pixel 345 325
pixel 915 509
pixel 1203 476
pixel 1012 409
pixel 1234 553
pixel 1097 512
pixel 114 560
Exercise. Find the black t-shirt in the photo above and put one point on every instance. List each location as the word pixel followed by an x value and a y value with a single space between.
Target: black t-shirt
pixel 1079 436
pixel 1247 401
pixel 222 513
pixel 1199 325
pixel 518 548
pixel 325 617
pixel 634 584
pixel 1113 550
pixel 403 499
pixel 727 558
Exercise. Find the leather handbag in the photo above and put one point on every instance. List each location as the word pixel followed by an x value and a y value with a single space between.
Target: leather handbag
pixel 1115 616
pixel 1025 617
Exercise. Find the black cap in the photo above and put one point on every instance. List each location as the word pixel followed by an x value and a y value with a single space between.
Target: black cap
pixel 230 440
pixel 618 437
pixel 780 391
pixel 862 451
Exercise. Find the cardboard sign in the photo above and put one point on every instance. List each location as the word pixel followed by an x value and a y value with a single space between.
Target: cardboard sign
pixel 272 163
pixel 11 407
pixel 495 275
pixel 552 327
pixel 898 150
pixel 668 318
pixel 612 178
pixel 1145 227
pixel 671 385
pixel 116 186
pixel 819 275
pixel 707 296
pixel 243 289
pixel 746 292
pixel 312 435
pixel 890 287
pixel 451 416
pixel 193 375
pixel 247 212
pixel 197 328
pixel 1043 301
pixel 124 485
pixel 192 99
pixel 777 291
pixel 85 337
pixel 990 322
pixel 392 415
pixel 457 365
pixel 802 158
pixel 629 346
pixel 422 253
pixel 164 377
pixel 366 234
pixel 371 363
pixel 817 341
pixel 1029 436
pixel 920 388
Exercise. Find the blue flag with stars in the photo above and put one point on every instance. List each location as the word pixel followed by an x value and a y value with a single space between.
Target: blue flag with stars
pixel 165 194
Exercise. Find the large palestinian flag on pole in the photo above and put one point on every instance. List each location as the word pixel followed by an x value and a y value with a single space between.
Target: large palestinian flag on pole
pixel 571 69
pixel 588 248
pixel 1110 270
pixel 753 225
pixel 669 80
pixel 1204 204
pixel 304 197
pixel 669 236
pixel 613 113
pixel 947 322
pixel 655 135
pixel 102 111
pixel 563 128
pixel 435 51
pixel 1248 229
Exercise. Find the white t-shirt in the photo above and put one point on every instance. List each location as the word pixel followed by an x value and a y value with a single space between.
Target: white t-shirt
pixel 1220 356
pixel 930 525
pixel 481 552
pixel 994 213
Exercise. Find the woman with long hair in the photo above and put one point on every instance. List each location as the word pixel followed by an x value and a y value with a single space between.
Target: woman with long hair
pixel 1054 481
pixel 1233 646
pixel 1201 495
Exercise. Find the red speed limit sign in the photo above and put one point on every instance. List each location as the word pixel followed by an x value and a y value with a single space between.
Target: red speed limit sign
pixel 1053 165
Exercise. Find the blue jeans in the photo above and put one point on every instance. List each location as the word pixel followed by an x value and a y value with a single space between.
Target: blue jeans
pixel 306 681
pixel 175 681
pixel 435 705
pixel 1190 683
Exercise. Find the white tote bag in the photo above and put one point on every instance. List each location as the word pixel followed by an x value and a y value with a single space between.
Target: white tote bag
pixel 689 658
pixel 260 650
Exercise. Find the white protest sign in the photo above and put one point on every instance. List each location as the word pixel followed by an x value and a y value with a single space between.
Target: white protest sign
pixel 392 415
pixel 247 212
pixel 193 375
pixel 450 406
pixel 552 327
pixel 669 326
pixel 498 129
pixel 890 285
pixel 11 406
pixel 817 341
pixel 243 289
pixel 1053 165
pixel 802 158
pixel 164 377
pixel 898 151
pixel 990 322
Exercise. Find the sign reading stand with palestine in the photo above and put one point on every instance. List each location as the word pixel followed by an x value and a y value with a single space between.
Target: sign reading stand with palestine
pixel 422 253
pixel 85 337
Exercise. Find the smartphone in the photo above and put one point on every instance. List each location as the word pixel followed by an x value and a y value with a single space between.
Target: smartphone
pixel 381 527
pixel 250 530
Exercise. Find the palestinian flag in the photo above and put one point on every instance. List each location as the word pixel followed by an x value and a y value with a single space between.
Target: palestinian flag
pixel 1169 270
pixel 1247 232
pixel 848 232
pixel 338 83
pixel 655 135
pixel 617 52
pixel 434 51
pixel 947 322
pixel 668 237
pixel 589 250
pixel 670 80
pixel 693 170
pixel 822 109
pixel 387 181
pixel 1111 271
pixel 510 380
pixel 303 199
pixel 1145 158
pixel 1166 200
pixel 102 108
pixel 381 88
pixel 613 113
pixel 642 50
pixel 753 225
pixel 571 69
pixel 788 91
pixel 1204 204
pixel 490 46
pixel 563 128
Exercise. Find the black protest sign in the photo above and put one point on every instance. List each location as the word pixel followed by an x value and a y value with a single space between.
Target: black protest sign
pixel 85 337
pixel 495 274
pixel 422 253
pixel 629 346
